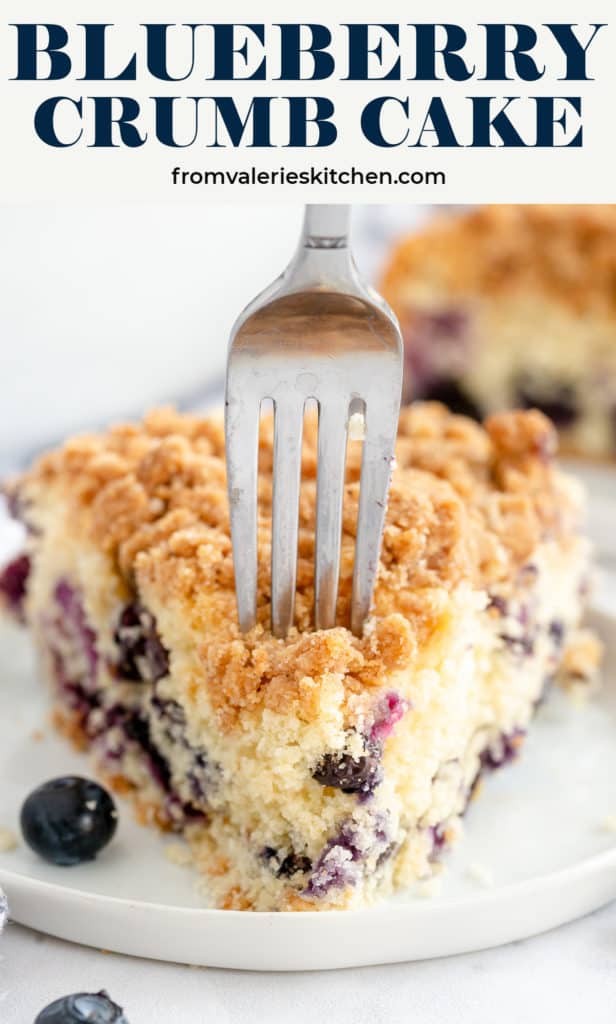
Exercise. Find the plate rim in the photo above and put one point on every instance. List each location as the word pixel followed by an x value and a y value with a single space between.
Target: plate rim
pixel 592 864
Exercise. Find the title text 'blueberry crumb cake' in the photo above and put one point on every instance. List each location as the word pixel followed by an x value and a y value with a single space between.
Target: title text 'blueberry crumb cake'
pixel 514 307
pixel 320 771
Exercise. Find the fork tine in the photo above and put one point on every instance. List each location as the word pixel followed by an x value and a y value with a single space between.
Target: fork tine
pixel 242 449
pixel 381 422
pixel 333 426
pixel 288 425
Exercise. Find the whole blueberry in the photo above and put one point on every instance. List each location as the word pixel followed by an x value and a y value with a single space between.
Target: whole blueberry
pixel 93 1008
pixel 68 820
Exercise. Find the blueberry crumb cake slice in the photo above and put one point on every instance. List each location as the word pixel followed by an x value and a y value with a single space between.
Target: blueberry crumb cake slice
pixel 321 771
pixel 514 307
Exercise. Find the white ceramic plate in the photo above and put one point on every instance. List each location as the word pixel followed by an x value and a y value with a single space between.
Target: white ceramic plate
pixel 538 832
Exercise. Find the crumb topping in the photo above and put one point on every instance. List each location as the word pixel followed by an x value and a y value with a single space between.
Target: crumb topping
pixel 566 251
pixel 467 505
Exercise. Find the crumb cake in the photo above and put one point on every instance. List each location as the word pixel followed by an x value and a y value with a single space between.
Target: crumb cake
pixel 514 307
pixel 324 770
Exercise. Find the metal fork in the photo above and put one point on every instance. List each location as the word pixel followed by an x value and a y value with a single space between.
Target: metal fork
pixel 318 332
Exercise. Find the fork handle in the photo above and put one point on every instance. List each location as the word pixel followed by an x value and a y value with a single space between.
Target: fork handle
pixel 326 227
pixel 323 259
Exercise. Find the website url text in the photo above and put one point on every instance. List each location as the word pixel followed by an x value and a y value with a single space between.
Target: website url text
pixel 309 176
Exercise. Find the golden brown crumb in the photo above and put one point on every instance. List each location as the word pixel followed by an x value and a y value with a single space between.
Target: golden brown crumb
pixel 147 812
pixel 218 867
pixel 236 900
pixel 466 504
pixel 120 785
pixel 298 904
pixel 582 656
pixel 523 436
pixel 69 725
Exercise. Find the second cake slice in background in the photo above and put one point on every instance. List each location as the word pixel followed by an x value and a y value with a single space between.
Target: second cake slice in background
pixel 514 307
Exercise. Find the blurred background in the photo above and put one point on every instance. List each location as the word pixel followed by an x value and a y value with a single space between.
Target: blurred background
pixel 108 309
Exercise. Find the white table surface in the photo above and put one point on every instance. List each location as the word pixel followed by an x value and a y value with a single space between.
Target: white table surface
pixel 565 975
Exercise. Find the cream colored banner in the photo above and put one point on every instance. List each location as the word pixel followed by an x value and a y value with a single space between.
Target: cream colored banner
pixel 471 164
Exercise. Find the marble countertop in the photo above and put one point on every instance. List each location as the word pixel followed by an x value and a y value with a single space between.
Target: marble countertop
pixel 565 975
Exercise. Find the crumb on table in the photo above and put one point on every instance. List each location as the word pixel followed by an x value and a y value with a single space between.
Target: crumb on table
pixel 8 840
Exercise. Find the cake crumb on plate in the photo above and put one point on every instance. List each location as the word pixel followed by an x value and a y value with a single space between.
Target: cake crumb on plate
pixel 178 854
pixel 8 840
pixel 480 874
pixel 430 888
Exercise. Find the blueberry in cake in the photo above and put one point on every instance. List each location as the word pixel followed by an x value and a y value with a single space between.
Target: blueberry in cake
pixel 514 307
pixel 324 770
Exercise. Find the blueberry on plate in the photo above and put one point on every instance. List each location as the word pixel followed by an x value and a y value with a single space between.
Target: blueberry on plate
pixel 68 820
pixel 82 1008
